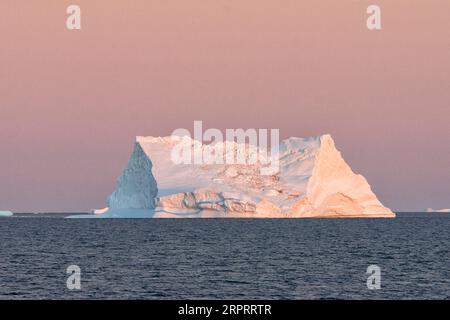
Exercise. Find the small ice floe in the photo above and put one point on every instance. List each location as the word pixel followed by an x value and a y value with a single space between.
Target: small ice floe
pixel 99 211
pixel 6 214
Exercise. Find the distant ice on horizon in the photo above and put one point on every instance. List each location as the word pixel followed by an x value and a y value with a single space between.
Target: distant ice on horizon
pixel 438 210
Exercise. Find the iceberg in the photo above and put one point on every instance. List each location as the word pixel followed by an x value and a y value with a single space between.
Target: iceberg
pixel 6 214
pixel 313 181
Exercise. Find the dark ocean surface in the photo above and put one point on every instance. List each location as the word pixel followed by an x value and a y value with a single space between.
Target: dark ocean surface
pixel 225 258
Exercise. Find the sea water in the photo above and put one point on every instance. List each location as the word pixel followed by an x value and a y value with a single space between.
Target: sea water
pixel 226 258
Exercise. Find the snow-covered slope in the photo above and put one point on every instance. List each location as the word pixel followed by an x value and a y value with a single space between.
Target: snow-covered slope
pixel 313 181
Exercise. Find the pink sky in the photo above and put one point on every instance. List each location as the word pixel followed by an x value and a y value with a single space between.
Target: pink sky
pixel 71 102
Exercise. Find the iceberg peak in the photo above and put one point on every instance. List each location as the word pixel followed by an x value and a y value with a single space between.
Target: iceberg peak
pixel 136 187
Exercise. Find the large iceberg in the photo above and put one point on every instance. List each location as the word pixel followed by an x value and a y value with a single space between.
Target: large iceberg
pixel 313 181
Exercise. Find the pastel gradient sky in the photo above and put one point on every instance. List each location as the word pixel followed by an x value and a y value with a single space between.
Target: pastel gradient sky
pixel 72 102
